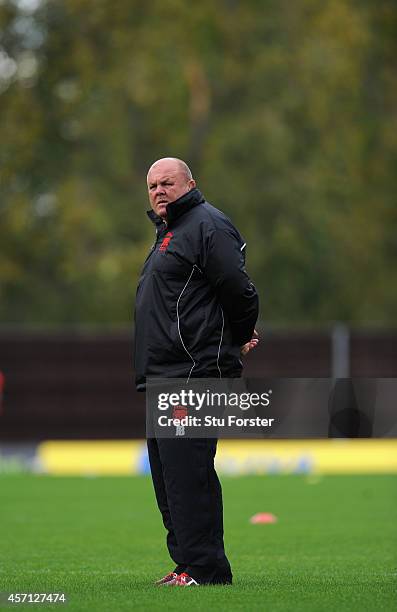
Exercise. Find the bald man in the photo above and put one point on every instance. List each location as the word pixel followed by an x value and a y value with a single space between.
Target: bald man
pixel 195 316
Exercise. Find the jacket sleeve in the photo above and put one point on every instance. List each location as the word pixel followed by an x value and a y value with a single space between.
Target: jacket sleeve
pixel 224 267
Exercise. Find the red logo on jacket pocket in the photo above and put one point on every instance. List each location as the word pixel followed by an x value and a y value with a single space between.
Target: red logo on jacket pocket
pixel 166 241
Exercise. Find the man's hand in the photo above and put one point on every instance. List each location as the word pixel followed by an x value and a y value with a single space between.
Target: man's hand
pixel 250 345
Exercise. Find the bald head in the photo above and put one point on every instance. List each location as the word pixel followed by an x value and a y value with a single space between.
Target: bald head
pixel 175 162
pixel 168 179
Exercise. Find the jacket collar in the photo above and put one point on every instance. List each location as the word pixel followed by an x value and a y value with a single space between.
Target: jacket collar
pixel 177 208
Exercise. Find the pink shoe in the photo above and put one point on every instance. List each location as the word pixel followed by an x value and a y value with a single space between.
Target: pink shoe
pixel 185 580
pixel 168 580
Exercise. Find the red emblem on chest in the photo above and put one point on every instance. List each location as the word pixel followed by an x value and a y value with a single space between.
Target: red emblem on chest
pixel 166 241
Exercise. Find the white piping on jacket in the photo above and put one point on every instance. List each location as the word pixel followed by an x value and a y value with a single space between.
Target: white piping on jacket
pixel 219 347
pixel 179 328
pixel 243 247
pixel 177 316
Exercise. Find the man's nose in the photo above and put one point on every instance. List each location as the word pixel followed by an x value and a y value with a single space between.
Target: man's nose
pixel 159 189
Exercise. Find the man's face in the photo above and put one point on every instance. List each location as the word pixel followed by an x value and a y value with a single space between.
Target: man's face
pixel 166 182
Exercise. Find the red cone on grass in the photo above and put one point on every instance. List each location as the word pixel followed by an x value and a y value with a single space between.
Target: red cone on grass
pixel 263 517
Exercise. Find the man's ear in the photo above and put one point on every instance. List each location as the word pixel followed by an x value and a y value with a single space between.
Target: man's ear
pixel 192 183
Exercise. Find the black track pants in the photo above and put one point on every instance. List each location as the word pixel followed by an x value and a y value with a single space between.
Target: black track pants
pixel 189 497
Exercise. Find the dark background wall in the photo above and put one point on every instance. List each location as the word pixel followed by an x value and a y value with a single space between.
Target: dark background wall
pixel 75 385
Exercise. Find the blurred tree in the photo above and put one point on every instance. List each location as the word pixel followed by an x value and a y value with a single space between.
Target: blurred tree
pixel 286 112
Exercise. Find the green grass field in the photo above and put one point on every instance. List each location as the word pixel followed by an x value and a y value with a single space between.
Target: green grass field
pixel 100 540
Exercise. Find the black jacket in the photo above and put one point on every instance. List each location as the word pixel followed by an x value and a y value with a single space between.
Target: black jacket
pixel 195 304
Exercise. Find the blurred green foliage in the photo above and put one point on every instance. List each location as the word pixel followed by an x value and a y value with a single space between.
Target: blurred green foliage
pixel 286 112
